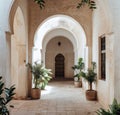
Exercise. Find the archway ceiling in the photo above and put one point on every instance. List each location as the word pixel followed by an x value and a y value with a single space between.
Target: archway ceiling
pixel 62 22
pixel 58 32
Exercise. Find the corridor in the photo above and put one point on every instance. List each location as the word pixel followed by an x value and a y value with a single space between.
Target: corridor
pixel 59 98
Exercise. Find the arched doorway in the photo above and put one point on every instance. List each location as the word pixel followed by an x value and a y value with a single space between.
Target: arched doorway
pixel 59 25
pixel 59 52
pixel 18 55
pixel 59 66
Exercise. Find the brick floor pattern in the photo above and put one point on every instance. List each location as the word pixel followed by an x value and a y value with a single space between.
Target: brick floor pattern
pixel 59 98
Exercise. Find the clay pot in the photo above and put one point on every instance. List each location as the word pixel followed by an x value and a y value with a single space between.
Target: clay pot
pixel 35 93
pixel 78 83
pixel 91 95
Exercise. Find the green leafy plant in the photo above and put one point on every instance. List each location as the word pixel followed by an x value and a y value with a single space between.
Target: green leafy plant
pixel 41 3
pixel 78 68
pixel 91 4
pixel 45 78
pixel 114 109
pixel 6 95
pixel 90 75
pixel 41 75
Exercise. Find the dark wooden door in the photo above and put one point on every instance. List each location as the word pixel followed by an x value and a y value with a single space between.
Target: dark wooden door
pixel 59 66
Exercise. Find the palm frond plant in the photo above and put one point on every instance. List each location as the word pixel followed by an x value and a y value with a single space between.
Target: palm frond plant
pixel 41 3
pixel 6 95
pixel 91 4
pixel 41 76
pixel 45 77
pixel 90 77
pixel 114 109
pixel 78 69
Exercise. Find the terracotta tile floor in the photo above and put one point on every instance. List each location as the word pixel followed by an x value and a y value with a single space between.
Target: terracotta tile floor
pixel 59 98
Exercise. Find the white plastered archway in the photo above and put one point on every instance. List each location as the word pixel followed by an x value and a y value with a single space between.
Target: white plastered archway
pixel 18 55
pixel 59 25
pixel 54 33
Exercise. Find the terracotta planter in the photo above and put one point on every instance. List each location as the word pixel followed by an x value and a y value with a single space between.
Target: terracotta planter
pixel 91 95
pixel 35 93
pixel 78 83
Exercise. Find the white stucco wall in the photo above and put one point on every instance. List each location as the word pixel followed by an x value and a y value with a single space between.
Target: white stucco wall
pixel 106 21
pixel 4 26
pixel 5 6
pixel 114 9
pixel 6 36
pixel 98 30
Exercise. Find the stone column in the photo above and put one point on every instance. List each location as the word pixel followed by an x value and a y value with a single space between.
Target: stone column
pixel 76 56
pixel 36 55
pixel 8 59
pixel 43 54
pixel 110 75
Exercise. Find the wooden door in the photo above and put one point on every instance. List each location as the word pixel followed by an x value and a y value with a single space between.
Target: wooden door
pixel 59 66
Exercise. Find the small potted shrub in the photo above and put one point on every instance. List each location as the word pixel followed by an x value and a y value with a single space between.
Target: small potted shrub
pixel 41 76
pixel 114 109
pixel 45 77
pixel 90 77
pixel 78 68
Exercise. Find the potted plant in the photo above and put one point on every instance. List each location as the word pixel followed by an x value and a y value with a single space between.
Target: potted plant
pixel 78 68
pixel 41 76
pixel 90 77
pixel 45 77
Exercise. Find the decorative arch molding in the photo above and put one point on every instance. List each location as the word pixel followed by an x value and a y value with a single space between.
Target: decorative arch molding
pixel 59 32
pixel 12 10
pixel 60 25
pixel 18 26
pixel 59 21
pixel 60 54
pixel 54 34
